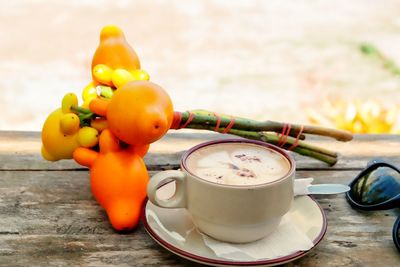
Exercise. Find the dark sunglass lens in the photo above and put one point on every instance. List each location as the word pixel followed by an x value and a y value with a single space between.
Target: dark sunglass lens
pixel 396 233
pixel 377 186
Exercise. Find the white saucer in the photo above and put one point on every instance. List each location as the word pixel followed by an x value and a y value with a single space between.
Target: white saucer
pixel 172 229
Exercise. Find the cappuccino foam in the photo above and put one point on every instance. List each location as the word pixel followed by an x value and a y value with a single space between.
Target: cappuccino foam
pixel 237 164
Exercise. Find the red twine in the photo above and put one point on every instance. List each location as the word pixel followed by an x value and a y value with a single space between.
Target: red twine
pixel 230 125
pixel 191 117
pixel 176 122
pixel 285 132
pixel 296 143
pixel 218 122
pixel 280 138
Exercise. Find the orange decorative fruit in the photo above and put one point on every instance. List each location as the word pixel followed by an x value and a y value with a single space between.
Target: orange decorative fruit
pixel 118 179
pixel 114 51
pixel 139 113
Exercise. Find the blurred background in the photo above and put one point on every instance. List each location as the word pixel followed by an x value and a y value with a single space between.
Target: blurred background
pixel 308 61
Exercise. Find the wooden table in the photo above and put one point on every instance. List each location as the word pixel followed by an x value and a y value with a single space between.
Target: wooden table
pixel 49 217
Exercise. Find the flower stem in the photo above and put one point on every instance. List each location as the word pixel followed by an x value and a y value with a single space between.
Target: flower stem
pixel 83 114
pixel 81 110
pixel 209 118
pixel 303 148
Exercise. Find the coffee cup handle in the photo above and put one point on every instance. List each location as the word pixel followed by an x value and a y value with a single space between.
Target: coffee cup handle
pixel 178 200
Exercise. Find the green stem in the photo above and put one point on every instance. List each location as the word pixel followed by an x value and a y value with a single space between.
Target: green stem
pixel 81 110
pixel 303 148
pixel 208 118
pixel 83 114
pixel 86 116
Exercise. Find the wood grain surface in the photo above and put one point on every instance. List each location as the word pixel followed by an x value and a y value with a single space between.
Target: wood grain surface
pixel 49 217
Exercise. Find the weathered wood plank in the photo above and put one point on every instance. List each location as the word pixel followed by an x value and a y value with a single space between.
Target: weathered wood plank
pixel 135 249
pixel 21 151
pixel 51 219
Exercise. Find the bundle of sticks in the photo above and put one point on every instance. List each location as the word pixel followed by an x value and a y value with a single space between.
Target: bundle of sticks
pixel 288 136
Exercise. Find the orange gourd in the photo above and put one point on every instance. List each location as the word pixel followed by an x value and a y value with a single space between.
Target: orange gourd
pixel 118 179
pixel 139 113
pixel 114 51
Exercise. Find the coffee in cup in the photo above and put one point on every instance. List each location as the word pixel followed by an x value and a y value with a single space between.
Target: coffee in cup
pixel 236 190
pixel 237 164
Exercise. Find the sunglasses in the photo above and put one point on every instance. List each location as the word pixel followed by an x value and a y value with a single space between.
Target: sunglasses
pixel 377 187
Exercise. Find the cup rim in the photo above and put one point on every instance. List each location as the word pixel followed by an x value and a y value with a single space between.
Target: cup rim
pixel 238 140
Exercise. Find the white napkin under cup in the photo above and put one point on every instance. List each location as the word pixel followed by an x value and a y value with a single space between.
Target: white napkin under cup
pixel 286 239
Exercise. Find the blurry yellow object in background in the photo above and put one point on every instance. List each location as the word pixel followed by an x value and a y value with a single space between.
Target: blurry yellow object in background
pixel 358 117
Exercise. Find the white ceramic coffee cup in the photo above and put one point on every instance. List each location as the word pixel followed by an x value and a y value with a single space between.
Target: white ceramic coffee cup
pixel 229 213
